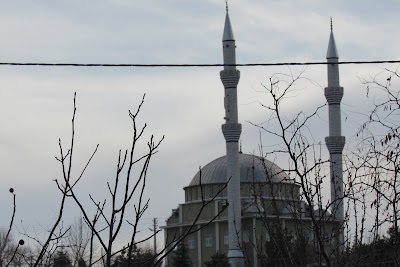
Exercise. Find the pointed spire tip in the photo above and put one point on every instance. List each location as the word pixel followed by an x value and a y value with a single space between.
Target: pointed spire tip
pixel 228 33
pixel 332 50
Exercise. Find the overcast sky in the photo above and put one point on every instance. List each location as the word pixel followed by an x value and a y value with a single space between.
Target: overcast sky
pixel 184 104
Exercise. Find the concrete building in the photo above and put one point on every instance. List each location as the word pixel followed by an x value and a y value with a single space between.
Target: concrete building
pixel 268 198
pixel 237 217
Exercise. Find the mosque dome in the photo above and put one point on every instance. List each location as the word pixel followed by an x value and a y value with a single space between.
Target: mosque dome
pixel 253 169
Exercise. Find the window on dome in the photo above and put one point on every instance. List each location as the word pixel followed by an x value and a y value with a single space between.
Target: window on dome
pixel 223 193
pixel 216 190
pixel 210 191
pixel 267 190
pixel 220 190
pixel 203 192
pixel 252 190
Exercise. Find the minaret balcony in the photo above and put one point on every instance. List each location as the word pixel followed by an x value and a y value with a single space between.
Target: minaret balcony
pixel 230 78
pixel 334 95
pixel 335 144
pixel 232 131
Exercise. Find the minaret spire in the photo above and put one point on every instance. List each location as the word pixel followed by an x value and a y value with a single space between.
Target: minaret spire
pixel 335 141
pixel 228 33
pixel 332 51
pixel 232 130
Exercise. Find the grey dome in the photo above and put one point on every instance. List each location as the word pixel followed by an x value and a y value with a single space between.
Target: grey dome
pixel 263 171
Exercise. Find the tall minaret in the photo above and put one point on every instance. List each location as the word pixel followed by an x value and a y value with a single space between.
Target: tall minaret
pixel 231 130
pixel 335 141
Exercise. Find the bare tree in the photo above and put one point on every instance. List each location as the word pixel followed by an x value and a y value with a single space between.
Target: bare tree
pixel 8 247
pixel 126 196
pixel 78 242
pixel 305 168
pixel 374 169
pixel 125 184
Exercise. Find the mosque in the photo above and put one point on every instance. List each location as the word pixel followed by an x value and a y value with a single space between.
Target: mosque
pixel 232 204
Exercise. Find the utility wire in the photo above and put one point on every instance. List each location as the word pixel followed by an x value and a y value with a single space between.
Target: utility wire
pixel 194 65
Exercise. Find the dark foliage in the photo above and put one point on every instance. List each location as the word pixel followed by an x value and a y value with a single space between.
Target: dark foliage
pixel 139 258
pixel 218 260
pixel 384 251
pixel 282 249
pixel 181 257
pixel 61 259
pixel 82 262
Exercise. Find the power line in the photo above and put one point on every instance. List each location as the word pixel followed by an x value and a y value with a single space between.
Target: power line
pixel 192 65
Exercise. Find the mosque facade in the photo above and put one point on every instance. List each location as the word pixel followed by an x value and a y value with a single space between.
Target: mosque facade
pixel 233 203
